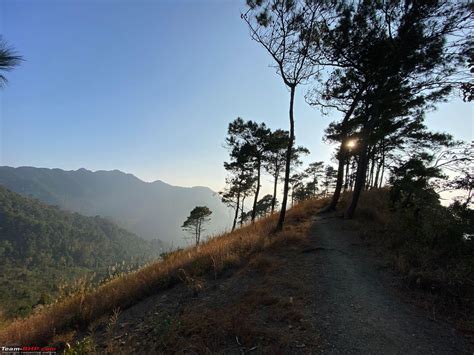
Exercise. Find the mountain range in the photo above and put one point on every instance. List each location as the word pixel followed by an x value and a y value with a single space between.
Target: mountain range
pixel 152 210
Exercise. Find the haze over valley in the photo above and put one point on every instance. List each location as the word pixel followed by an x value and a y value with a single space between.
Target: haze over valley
pixel 153 210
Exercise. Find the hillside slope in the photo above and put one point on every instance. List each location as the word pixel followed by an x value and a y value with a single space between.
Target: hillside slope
pixel 150 210
pixel 325 291
pixel 315 287
pixel 41 245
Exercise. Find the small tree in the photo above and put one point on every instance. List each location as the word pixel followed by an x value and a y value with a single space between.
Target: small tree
pixel 194 223
pixel 410 181
pixel 241 180
pixel 276 158
pixel 239 186
pixel 330 178
pixel 315 172
pixel 263 206
pixel 296 183
pixel 250 139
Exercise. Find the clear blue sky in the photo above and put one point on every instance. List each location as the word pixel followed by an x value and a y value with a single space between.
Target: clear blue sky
pixel 147 87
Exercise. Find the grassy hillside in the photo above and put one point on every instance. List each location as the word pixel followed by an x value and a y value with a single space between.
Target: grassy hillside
pixel 438 262
pixel 138 206
pixel 43 247
pixel 214 256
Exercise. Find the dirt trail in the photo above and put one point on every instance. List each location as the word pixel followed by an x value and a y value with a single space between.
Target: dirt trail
pixel 325 294
pixel 357 309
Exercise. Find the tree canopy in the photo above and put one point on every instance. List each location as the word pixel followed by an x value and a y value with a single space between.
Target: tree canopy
pixel 194 224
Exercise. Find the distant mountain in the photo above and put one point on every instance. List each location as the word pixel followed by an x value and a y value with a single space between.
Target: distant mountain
pixel 41 245
pixel 151 210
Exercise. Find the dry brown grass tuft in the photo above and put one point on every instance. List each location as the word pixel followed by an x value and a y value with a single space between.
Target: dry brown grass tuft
pixel 214 256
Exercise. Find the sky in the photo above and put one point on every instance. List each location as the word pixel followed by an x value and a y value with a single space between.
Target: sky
pixel 149 87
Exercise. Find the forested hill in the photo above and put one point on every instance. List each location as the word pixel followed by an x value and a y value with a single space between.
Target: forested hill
pixel 41 245
pixel 150 210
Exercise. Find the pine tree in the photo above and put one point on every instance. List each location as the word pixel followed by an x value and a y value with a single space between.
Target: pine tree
pixel 194 224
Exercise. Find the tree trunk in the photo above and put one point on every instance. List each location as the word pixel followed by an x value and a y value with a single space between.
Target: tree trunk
pixel 275 183
pixel 257 191
pixel 289 150
pixel 383 165
pixel 377 174
pixel 237 207
pixel 372 164
pixel 315 189
pixel 339 181
pixel 362 166
pixel 360 179
pixel 241 222
pixel 198 232
pixel 341 154
pixel 346 179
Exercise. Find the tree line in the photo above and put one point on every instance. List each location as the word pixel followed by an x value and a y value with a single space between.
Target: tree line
pixel 255 149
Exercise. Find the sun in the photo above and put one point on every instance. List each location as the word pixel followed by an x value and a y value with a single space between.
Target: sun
pixel 351 143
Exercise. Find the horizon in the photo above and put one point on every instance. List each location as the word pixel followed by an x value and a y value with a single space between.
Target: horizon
pixel 218 73
pixel 105 171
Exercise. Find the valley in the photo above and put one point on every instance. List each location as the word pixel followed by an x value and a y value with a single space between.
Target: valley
pixel 151 210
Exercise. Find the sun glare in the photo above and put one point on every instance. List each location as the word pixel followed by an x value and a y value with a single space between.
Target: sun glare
pixel 351 144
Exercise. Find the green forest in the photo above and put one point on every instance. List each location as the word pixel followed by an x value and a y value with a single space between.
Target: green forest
pixel 43 247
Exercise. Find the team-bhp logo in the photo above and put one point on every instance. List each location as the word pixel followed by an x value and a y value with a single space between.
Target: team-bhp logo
pixel 43 350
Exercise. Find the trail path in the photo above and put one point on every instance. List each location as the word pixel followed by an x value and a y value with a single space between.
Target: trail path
pixel 358 311
pixel 329 294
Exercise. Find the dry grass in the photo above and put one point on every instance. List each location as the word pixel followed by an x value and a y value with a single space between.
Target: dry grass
pixel 260 310
pixel 257 320
pixel 214 256
pixel 434 265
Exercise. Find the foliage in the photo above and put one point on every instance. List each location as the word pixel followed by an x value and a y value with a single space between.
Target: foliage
pixel 81 347
pixel 388 63
pixel 240 182
pixel 264 206
pixel 410 181
pixel 250 140
pixel 315 171
pixel 314 181
pixel 8 60
pixel 194 224
pixel 275 158
pixel 41 247
pixel 253 146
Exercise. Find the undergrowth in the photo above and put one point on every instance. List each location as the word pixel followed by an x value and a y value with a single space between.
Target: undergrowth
pixel 425 244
